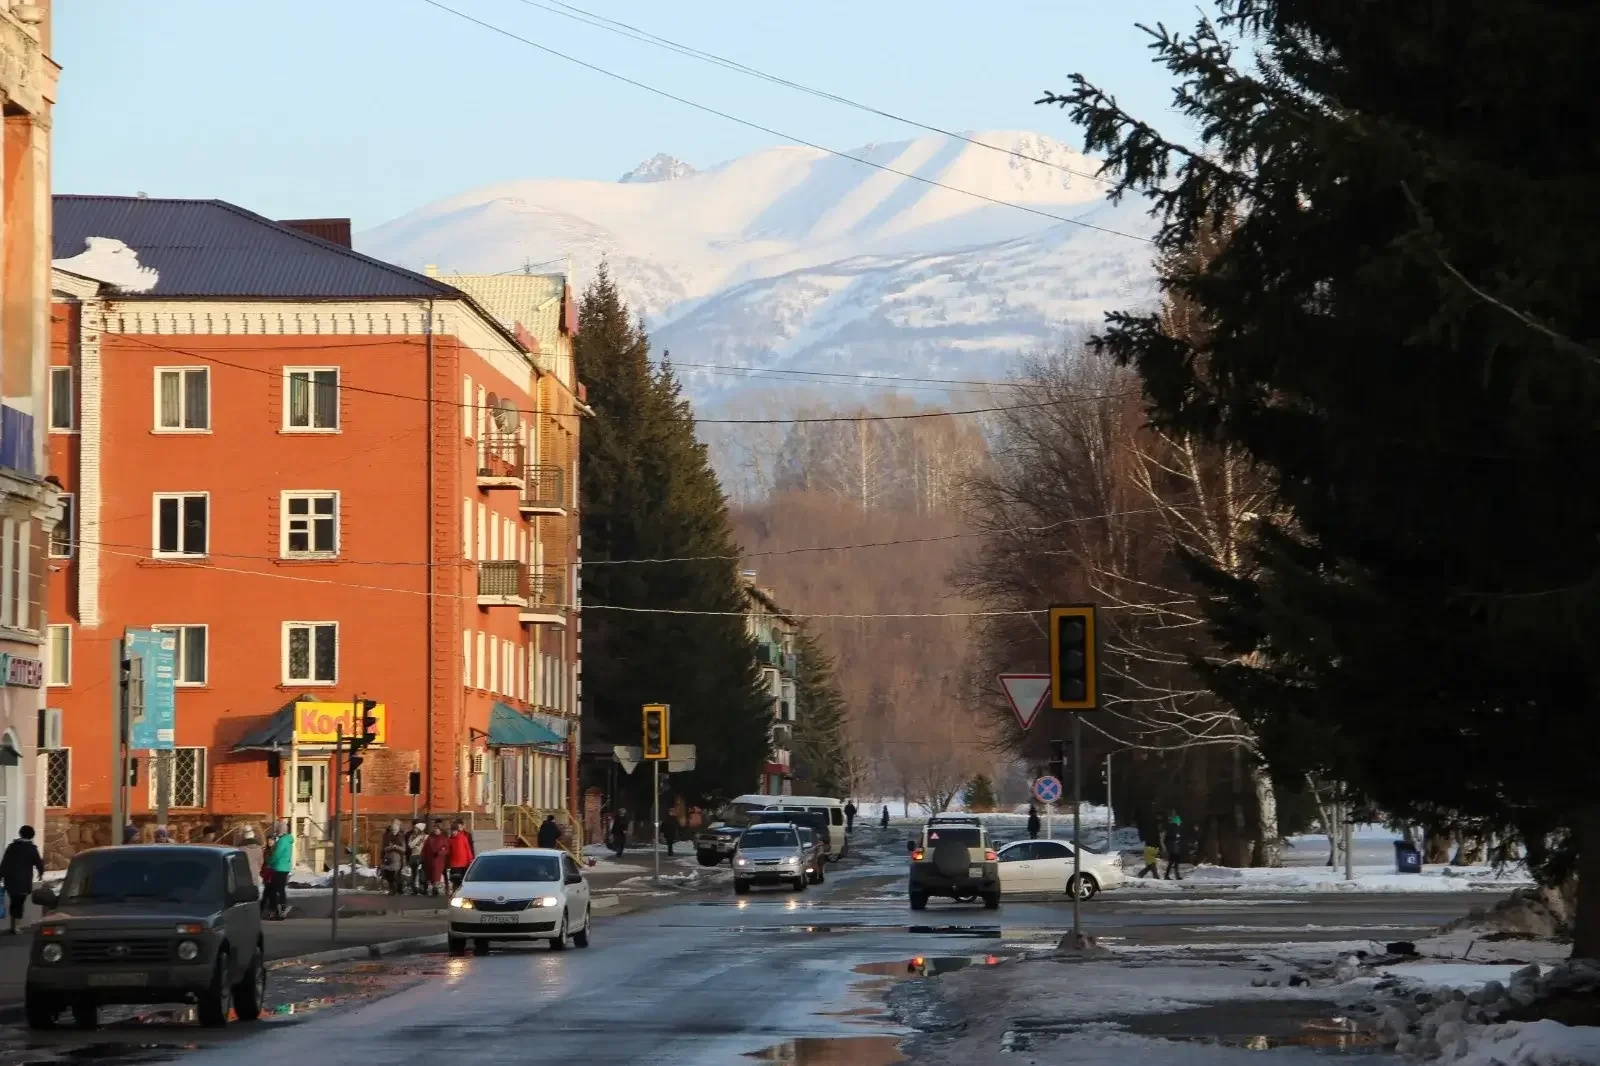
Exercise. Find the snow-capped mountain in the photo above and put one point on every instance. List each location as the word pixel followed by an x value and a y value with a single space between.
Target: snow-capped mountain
pixel 792 258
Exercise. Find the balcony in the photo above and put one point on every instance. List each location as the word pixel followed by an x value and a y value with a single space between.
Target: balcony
pixel 500 461
pixel 547 603
pixel 502 583
pixel 544 491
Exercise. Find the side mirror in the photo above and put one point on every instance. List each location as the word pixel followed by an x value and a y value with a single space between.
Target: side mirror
pixel 248 894
pixel 575 879
pixel 45 896
pixel 911 845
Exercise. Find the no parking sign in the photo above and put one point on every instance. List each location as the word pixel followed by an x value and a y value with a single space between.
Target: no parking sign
pixel 1047 789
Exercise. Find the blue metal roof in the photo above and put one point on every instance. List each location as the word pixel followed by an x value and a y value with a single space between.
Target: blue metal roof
pixel 508 728
pixel 214 249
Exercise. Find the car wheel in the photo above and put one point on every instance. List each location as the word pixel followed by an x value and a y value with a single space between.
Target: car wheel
pixel 991 902
pixel 919 901
pixel 458 946
pixel 708 858
pixel 40 1009
pixel 559 941
pixel 741 888
pixel 216 1002
pixel 1090 888
pixel 85 1014
pixel 581 937
pixel 250 995
pixel 801 882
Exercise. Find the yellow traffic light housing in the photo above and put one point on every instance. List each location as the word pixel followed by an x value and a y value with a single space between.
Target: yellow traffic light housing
pixel 655 731
pixel 1073 668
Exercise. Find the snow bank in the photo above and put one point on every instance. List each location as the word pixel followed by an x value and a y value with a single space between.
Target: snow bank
pixel 1323 879
pixel 1542 1043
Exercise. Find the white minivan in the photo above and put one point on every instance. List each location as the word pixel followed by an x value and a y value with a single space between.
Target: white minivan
pixel 838 842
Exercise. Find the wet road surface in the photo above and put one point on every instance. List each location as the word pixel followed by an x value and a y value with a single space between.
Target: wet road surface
pixel 774 976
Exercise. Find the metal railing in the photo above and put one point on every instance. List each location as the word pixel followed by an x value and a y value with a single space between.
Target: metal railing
pixel 504 578
pixel 500 456
pixel 523 822
pixel 547 587
pixel 544 486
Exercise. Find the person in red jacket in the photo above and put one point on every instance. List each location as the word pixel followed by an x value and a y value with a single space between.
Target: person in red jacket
pixel 435 857
pixel 460 853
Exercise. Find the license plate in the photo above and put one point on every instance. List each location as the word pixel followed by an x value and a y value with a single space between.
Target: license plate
pixel 497 919
pixel 118 980
pixel 974 871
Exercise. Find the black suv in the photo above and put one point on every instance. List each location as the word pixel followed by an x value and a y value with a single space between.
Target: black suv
pixel 162 923
pixel 953 859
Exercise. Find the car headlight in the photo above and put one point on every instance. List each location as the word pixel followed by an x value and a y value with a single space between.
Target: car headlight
pixel 462 902
pixel 188 950
pixel 790 860
pixel 740 861
pixel 51 952
pixel 546 901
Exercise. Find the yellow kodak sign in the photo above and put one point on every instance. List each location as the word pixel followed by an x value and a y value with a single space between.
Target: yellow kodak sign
pixel 318 723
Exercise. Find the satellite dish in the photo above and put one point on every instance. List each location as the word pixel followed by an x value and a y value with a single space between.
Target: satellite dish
pixel 506 416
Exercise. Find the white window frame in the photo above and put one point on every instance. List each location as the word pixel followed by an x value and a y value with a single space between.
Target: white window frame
pixel 311 408
pixel 466 658
pixel 155 524
pixel 182 371
pixel 284 518
pixel 181 630
pixel 466 406
pixel 69 522
pixel 57 373
pixel 311 660
pixel 480 676
pixel 50 755
pixel 50 664
pixel 466 529
pixel 197 781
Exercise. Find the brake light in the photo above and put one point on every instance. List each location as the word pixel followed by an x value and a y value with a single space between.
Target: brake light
pixel 990 856
pixel 916 856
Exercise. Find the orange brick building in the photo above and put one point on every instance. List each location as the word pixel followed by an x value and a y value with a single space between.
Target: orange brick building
pixel 332 479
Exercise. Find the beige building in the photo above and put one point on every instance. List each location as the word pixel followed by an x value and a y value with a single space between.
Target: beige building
pixel 774 632
pixel 28 504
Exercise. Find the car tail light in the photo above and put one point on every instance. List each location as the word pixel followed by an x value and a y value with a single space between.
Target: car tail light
pixel 990 856
pixel 916 856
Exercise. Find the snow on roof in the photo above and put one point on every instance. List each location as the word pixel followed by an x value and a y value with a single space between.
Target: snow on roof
pixel 109 260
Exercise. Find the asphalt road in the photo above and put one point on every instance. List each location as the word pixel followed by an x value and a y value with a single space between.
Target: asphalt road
pixel 787 977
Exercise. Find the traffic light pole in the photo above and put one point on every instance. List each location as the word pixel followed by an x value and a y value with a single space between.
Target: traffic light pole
pixel 655 815
pixel 1077 823
pixel 333 822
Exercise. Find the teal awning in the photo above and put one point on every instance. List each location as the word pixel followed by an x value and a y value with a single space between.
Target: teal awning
pixel 276 733
pixel 509 728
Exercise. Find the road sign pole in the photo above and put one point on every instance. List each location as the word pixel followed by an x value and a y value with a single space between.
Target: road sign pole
pixel 1077 823
pixel 338 772
pixel 655 814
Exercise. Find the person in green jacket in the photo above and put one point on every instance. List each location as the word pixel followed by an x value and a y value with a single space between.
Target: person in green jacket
pixel 280 860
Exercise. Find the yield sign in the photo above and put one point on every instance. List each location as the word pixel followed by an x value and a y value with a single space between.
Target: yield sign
pixel 1026 693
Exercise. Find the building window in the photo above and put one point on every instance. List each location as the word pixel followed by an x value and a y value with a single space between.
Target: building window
pixel 466 406
pixel 58 777
pixel 182 524
pixel 191 653
pixel 310 653
pixel 188 777
pixel 183 399
pixel 62 403
pixel 312 398
pixel 58 656
pixel 310 524
pixel 63 535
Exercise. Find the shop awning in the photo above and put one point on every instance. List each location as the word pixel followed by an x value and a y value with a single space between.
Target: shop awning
pixel 276 734
pixel 510 728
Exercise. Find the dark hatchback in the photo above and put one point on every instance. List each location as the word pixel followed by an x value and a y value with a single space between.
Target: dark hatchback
pixel 164 923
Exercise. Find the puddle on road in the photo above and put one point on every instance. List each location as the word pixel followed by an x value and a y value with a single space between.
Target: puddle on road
pixel 120 1053
pixel 927 965
pixel 833 1051
pixel 1256 1026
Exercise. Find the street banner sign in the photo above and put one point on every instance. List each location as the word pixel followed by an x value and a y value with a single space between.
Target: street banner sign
pixel 154 726
pixel 1026 693
pixel 629 756
pixel 318 722
pixel 680 758
pixel 1047 789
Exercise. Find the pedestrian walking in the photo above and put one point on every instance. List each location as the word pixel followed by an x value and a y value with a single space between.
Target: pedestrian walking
pixel 275 904
pixel 163 836
pixel 849 816
pixel 1033 822
pixel 393 856
pixel 619 832
pixel 461 853
pixel 415 841
pixel 883 821
pixel 1173 845
pixel 130 834
pixel 549 832
pixel 669 830
pixel 435 857
pixel 1152 858
pixel 17 867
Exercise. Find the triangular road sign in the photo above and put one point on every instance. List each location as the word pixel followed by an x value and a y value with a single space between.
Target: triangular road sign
pixel 1026 693
pixel 628 756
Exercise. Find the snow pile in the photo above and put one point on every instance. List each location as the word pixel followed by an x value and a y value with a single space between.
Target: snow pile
pixel 305 877
pixel 1452 1025
pixel 1542 1043
pixel 1324 879
pixel 109 260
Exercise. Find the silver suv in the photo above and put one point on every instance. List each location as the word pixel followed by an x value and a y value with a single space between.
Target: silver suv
pixel 768 853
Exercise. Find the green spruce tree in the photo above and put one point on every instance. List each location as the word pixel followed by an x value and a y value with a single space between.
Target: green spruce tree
pixel 648 492
pixel 824 762
pixel 1400 329
pixel 979 794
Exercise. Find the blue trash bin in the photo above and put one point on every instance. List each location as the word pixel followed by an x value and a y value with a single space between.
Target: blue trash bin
pixel 1407 859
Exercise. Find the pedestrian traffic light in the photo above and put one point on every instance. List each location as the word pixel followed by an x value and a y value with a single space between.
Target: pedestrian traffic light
pixel 655 731
pixel 274 764
pixel 1072 659
pixel 366 725
pixel 352 766
pixel 1058 760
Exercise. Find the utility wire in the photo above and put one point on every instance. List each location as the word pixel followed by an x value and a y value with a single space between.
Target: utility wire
pixel 645 36
pixel 909 175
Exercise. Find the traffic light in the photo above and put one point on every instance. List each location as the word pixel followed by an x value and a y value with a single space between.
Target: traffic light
pixel 655 731
pixel 352 766
pixel 1058 760
pixel 274 764
pixel 1072 659
pixel 366 731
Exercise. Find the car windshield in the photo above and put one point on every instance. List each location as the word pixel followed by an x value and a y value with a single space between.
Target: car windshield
pixel 971 836
pixel 169 878
pixel 514 868
pixel 767 838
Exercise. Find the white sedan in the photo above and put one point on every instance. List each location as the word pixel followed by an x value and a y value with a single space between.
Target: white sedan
pixel 1046 866
pixel 520 894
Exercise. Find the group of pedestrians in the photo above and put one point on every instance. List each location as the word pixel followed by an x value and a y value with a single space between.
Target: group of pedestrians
pixel 1171 847
pixel 425 859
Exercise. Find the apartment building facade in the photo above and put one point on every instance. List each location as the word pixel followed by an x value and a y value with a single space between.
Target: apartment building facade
pixel 28 502
pixel 323 474
pixel 774 634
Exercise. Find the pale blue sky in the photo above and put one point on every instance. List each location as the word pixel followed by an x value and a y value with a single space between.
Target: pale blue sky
pixel 369 108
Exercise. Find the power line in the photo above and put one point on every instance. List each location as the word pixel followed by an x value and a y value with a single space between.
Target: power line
pixel 646 37
pixel 909 175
